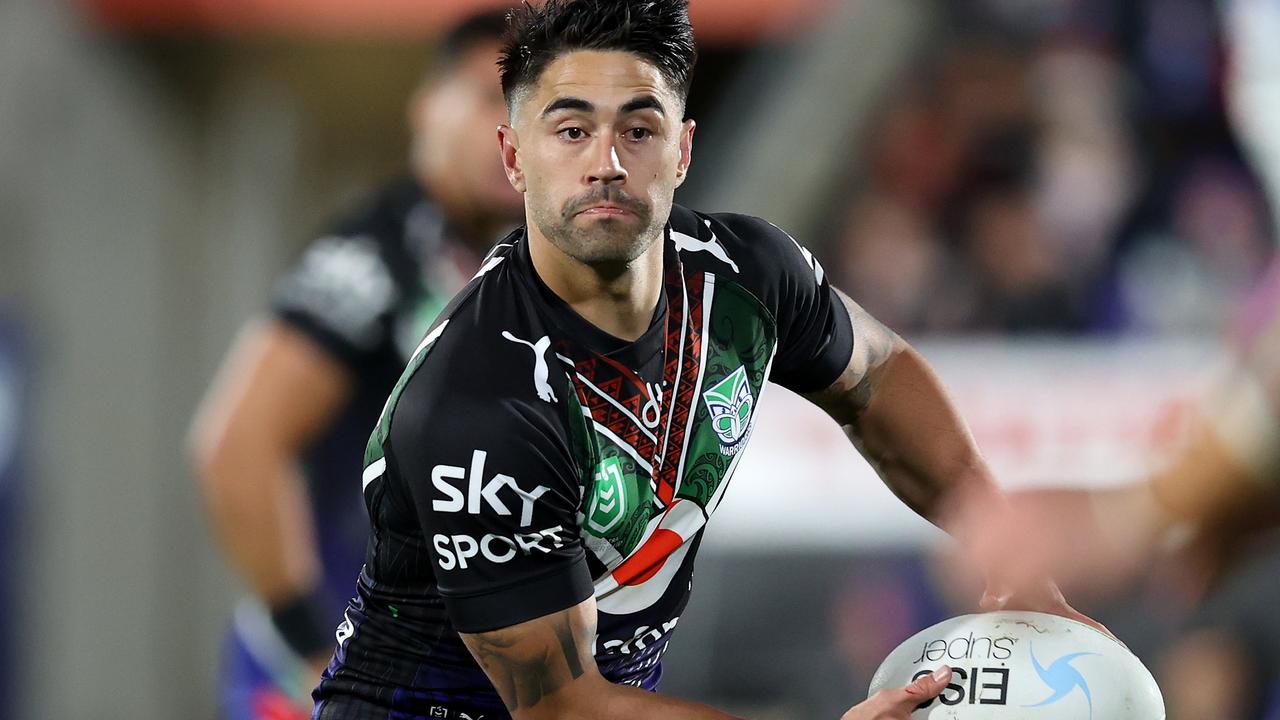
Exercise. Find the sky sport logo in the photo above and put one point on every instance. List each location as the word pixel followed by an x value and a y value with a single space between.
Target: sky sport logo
pixel 1062 679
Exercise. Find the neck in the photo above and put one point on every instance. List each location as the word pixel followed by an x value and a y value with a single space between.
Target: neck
pixel 618 300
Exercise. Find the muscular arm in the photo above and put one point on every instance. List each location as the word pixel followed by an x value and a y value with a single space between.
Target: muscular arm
pixel 1216 486
pixel 1233 457
pixel 1204 489
pixel 275 393
pixel 1221 483
pixel 1205 484
pixel 544 669
pixel 894 409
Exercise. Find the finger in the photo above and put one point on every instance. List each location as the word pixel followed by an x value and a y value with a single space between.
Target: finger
pixel 1063 608
pixel 925 688
pixel 994 599
pixel 1060 606
pixel 1081 617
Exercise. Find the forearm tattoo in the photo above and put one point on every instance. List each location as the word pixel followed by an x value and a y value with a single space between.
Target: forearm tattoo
pixel 529 663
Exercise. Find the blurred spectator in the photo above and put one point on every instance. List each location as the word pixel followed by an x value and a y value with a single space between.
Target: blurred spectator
pixel 1223 663
pixel 887 603
pixel 1018 278
pixel 894 263
pixel 1059 168
pixel 1198 272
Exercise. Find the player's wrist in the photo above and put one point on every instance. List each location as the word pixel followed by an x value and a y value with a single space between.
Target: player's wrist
pixel 303 624
pixel 972 503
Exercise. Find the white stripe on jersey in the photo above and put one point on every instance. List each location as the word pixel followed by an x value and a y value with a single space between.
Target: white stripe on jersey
pixel 635 455
pixel 373 472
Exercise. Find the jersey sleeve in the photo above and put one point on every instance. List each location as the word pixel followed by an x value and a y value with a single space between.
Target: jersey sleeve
pixel 340 294
pixel 815 337
pixel 489 472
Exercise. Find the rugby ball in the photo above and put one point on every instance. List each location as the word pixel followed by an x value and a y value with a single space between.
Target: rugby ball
pixel 1024 666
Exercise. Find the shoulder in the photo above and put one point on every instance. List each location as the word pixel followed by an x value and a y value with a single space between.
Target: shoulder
pixel 382 213
pixel 352 267
pixel 487 366
pixel 760 255
pixel 365 246
pixel 757 242
pixel 347 285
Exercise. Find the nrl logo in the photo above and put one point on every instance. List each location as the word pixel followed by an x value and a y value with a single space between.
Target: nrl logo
pixel 609 503
pixel 730 404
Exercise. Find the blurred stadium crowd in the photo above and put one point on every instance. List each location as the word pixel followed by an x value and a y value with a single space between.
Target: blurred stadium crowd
pixel 1064 168
pixel 1058 167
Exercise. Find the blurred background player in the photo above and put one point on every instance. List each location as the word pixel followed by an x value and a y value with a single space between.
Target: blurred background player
pixel 279 438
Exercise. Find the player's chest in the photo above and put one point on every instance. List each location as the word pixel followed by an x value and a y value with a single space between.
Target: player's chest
pixel 662 445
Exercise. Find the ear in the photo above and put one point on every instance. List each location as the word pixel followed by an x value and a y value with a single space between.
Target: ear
pixel 686 151
pixel 509 146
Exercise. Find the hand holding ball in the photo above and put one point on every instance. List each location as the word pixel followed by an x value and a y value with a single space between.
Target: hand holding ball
pixel 1024 666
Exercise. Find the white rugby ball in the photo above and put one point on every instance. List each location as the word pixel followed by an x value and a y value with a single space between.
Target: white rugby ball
pixel 1024 666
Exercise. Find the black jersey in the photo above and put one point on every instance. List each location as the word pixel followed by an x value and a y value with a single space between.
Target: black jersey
pixel 365 293
pixel 527 460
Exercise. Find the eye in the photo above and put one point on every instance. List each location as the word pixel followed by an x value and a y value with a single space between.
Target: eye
pixel 572 133
pixel 638 133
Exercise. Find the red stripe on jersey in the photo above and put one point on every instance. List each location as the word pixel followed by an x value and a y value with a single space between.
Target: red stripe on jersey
pixel 646 561
pixel 688 363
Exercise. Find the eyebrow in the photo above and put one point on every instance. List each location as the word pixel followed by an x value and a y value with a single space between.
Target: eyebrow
pixel 568 103
pixel 643 102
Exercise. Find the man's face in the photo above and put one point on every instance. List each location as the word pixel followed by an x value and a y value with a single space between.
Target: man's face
pixel 598 147
pixel 453 119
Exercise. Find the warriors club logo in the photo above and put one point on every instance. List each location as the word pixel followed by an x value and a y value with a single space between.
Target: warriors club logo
pixel 730 403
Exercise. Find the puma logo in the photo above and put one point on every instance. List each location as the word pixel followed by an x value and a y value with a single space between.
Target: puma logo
pixel 541 373
pixel 692 244
pixel 346 629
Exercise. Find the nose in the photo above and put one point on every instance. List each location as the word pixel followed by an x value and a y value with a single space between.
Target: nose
pixel 606 166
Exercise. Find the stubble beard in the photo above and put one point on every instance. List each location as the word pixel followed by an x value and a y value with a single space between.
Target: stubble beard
pixel 607 244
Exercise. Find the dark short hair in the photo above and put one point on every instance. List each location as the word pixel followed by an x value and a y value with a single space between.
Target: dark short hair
pixel 465 36
pixel 657 30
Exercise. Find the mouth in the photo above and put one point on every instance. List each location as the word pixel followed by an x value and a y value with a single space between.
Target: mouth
pixel 605 210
